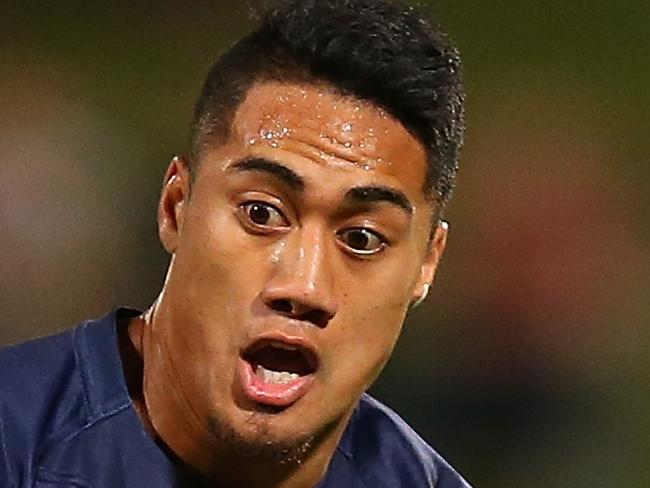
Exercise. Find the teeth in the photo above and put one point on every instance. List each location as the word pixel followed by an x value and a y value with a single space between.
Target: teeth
pixel 284 345
pixel 275 377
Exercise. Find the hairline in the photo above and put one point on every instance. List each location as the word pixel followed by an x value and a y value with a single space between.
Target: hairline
pixel 301 76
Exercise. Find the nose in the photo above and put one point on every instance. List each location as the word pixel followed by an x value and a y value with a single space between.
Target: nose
pixel 301 284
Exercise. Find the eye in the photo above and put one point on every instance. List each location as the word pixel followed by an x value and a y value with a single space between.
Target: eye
pixel 260 214
pixel 362 241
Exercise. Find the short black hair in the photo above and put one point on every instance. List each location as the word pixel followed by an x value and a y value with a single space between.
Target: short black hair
pixel 383 51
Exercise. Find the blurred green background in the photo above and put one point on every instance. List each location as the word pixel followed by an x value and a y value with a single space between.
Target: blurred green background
pixel 528 367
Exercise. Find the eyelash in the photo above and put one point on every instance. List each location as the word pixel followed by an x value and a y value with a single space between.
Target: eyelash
pixel 369 233
pixel 247 218
pixel 244 215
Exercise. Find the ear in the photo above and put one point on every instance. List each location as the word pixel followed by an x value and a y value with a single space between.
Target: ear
pixel 429 266
pixel 173 201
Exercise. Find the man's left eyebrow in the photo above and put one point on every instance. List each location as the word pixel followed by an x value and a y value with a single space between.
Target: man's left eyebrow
pixel 374 194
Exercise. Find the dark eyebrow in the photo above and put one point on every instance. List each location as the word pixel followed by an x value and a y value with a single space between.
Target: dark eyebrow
pixel 281 172
pixel 372 194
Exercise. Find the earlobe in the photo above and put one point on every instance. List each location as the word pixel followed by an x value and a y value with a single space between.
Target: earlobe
pixel 435 249
pixel 173 200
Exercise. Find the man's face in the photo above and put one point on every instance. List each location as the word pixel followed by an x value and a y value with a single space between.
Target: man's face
pixel 295 258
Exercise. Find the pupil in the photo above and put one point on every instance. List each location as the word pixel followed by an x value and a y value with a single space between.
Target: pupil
pixel 358 239
pixel 259 214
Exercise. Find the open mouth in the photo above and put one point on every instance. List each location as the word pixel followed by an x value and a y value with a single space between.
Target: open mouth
pixel 277 372
pixel 280 362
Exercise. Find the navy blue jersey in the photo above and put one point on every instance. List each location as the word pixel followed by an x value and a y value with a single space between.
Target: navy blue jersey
pixel 66 419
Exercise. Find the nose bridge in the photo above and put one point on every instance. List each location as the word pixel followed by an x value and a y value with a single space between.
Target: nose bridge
pixel 302 273
pixel 305 261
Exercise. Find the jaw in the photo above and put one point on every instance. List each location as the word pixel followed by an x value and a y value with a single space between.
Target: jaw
pixel 269 451
pixel 232 429
pixel 229 429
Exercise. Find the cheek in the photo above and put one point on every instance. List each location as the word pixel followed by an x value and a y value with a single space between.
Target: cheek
pixel 210 291
pixel 215 260
pixel 365 341
pixel 371 322
pixel 374 334
pixel 383 293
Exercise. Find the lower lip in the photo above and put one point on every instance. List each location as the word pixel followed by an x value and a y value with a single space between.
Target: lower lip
pixel 277 395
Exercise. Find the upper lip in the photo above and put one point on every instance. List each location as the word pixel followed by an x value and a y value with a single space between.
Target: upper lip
pixel 300 343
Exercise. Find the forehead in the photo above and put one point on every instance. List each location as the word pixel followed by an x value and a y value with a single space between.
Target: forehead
pixel 342 130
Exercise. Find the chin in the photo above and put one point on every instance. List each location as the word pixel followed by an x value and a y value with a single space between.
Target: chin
pixel 264 436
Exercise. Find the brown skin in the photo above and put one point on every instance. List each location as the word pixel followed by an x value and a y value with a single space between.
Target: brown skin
pixel 228 275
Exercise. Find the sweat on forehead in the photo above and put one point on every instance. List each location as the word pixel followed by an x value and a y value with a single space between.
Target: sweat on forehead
pixel 309 100
pixel 342 126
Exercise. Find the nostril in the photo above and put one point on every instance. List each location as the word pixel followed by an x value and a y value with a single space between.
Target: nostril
pixel 316 316
pixel 282 306
pixel 319 318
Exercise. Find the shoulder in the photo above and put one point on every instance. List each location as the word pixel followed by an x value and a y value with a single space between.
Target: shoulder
pixel 389 453
pixel 39 394
pixel 31 372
